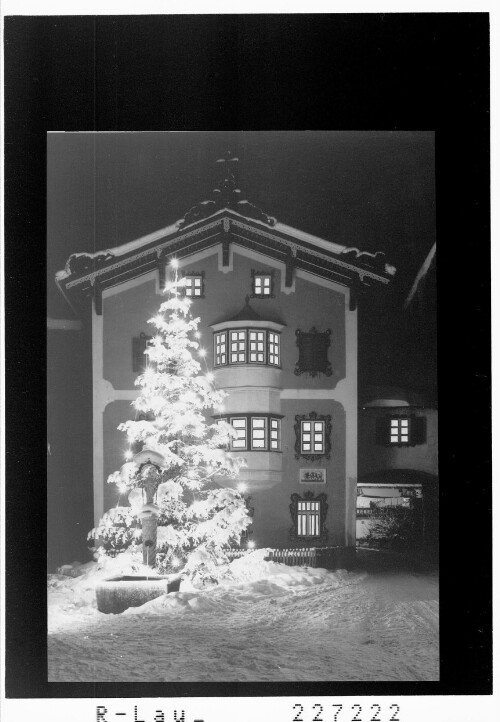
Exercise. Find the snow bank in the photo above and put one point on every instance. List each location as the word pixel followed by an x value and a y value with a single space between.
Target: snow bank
pixel 249 578
pixel 72 590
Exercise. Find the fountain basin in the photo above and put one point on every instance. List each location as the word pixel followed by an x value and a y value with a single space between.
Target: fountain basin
pixel 116 594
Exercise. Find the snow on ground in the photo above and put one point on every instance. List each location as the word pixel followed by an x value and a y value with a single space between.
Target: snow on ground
pixel 269 622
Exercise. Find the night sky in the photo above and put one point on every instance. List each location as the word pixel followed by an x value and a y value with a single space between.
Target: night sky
pixel 371 190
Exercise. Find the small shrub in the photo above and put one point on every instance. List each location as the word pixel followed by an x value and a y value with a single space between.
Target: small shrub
pixel 392 526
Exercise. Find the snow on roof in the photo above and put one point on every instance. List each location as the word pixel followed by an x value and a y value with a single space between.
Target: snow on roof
pixel 123 249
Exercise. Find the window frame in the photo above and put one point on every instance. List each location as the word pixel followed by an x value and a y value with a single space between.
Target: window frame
pixel 194 275
pixel 218 352
pixel 237 352
pixel 399 422
pixel 277 429
pixel 268 419
pixel 244 418
pixel 312 454
pixel 265 430
pixel 247 330
pixel 302 516
pixel 264 342
pixel 262 275
pixel 274 353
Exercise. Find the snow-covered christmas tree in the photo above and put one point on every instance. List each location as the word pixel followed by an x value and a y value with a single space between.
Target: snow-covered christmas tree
pixel 176 460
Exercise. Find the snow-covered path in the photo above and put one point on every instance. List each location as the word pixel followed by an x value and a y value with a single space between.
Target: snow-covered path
pixel 289 624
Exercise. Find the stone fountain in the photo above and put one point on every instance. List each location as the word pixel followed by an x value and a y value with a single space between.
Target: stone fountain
pixel 116 594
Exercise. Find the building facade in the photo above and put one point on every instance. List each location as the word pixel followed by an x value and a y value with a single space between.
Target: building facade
pixel 278 320
pixel 398 461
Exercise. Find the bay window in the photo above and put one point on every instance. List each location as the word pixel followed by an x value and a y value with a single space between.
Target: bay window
pixel 246 346
pixel 255 432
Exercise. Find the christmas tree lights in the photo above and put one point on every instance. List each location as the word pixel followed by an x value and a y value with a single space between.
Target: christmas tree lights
pixel 177 460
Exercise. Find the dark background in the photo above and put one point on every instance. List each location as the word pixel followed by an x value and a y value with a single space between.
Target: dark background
pixel 336 72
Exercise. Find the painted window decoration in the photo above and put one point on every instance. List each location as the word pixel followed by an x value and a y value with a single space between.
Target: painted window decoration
pixel 220 348
pixel 400 431
pixel 255 432
pixel 313 352
pixel 313 434
pixel 308 514
pixel 246 346
pixel 195 285
pixel 262 284
pixel 139 358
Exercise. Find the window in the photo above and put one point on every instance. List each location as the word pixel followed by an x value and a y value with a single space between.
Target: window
pixel 313 353
pixel 308 517
pixel 254 432
pixel 408 430
pixel 220 351
pixel 246 345
pixel 275 434
pixel 400 431
pixel 195 287
pixel 139 359
pixel 312 436
pixel 240 425
pixel 238 344
pixel 274 349
pixel 262 284
pixel 259 435
pixel 257 340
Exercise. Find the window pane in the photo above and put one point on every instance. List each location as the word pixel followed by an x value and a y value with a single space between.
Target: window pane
pixel 318 426
pixel 306 425
pixel 404 422
pixel 394 422
pixel 404 438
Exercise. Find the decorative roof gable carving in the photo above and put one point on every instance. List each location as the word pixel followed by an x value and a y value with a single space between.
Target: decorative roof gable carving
pixel 226 195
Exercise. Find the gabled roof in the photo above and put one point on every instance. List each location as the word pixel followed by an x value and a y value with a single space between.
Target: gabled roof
pixel 226 219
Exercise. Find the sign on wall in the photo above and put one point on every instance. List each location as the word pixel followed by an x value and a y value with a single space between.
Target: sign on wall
pixel 312 476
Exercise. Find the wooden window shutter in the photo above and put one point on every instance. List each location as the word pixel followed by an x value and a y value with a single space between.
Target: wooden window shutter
pixel 382 431
pixel 418 430
pixel 139 360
